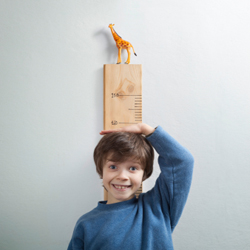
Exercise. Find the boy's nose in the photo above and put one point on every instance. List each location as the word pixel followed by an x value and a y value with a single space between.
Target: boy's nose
pixel 122 176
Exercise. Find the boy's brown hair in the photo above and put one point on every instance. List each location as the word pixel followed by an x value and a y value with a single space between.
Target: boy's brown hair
pixel 122 145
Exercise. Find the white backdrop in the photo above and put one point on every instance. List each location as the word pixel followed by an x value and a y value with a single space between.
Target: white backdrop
pixel 196 84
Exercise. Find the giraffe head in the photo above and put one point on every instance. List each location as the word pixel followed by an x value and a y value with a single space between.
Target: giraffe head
pixel 111 25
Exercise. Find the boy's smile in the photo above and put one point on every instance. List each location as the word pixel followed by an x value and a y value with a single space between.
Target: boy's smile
pixel 121 187
pixel 122 179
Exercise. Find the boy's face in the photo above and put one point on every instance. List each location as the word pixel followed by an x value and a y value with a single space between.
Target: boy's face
pixel 122 179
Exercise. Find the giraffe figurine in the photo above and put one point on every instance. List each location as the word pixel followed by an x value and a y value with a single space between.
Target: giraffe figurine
pixel 121 44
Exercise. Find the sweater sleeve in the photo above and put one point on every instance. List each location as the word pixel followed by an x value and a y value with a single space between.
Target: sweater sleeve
pixel 173 184
pixel 76 242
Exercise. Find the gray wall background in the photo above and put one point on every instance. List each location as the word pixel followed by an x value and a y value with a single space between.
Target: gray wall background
pixel 196 84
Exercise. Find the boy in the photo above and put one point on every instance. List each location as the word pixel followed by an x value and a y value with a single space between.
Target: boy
pixel 124 159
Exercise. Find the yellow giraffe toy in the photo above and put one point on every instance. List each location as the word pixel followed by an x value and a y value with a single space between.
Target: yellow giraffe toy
pixel 121 44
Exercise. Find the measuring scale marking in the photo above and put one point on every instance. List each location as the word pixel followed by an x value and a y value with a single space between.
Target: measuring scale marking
pixel 137 106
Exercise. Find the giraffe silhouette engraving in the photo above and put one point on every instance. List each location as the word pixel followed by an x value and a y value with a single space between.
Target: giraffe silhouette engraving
pixel 121 44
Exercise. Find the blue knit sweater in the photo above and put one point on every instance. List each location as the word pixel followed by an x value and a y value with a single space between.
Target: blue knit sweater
pixel 145 223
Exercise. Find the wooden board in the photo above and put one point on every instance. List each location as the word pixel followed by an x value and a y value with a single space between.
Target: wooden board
pixel 122 97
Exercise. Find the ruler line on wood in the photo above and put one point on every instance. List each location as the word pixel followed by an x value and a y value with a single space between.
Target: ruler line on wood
pixel 129 95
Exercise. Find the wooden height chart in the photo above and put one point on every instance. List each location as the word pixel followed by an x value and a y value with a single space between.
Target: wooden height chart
pixel 122 97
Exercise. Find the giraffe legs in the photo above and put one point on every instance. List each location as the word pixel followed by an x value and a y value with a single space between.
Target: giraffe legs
pixel 119 60
pixel 128 60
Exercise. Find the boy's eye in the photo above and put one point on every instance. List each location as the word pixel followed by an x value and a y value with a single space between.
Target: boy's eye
pixel 133 168
pixel 112 167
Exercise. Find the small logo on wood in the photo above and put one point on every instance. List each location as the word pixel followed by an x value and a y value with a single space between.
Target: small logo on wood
pixel 115 95
pixel 114 122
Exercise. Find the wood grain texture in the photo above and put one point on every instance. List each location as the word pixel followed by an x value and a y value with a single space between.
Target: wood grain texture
pixel 122 97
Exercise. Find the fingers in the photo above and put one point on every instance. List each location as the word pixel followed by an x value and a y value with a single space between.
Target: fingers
pixel 135 128
pixel 104 132
pixel 139 128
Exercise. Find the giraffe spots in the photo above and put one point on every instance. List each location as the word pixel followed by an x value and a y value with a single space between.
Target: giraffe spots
pixel 126 43
pixel 123 44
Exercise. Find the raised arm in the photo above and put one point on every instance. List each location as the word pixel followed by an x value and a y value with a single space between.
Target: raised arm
pixel 172 186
